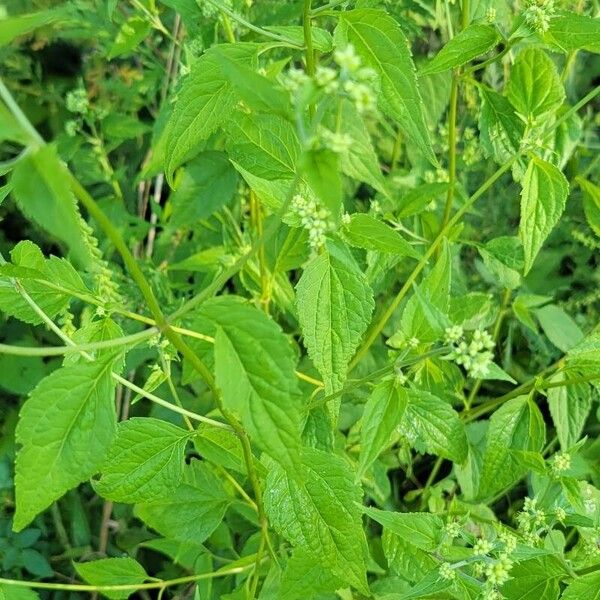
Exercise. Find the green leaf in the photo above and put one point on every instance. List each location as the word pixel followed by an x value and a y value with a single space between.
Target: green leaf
pixel 28 259
pixel 112 571
pixel 365 231
pixel 382 415
pixel 220 446
pixel 334 308
pixel 586 355
pixel 321 171
pixel 254 368
pixel 13 27
pixel 322 40
pixel 500 128
pixel 203 103
pixel 471 42
pixel 381 44
pixel 132 33
pixel 42 189
pixel 571 31
pixel 570 406
pixel 586 586
pixel 191 511
pixel 534 87
pixel 416 200
pixel 536 579
pixel 560 328
pixel 321 515
pixel 144 461
pixel 422 530
pixel 517 425
pixel 434 294
pixel 503 257
pixel 208 183
pixel 436 424
pixel 70 420
pixel 543 199
pixel 11 592
pixel 255 90
pixel 305 576
pixel 360 161
pixel 264 145
pixel 591 204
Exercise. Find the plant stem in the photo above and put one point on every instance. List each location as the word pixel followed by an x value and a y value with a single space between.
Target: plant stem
pixel 309 52
pixel 155 585
pixel 451 149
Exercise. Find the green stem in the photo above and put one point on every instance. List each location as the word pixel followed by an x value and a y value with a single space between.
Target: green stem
pixel 451 149
pixel 308 44
pixel 155 585
pixel 68 349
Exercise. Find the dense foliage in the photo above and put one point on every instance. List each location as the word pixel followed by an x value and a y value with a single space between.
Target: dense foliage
pixel 300 300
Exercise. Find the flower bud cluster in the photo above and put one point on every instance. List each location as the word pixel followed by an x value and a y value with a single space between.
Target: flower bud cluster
pixel 346 78
pixel 338 142
pixel 538 14
pixel 77 101
pixel 314 219
pixel 560 463
pixel 475 356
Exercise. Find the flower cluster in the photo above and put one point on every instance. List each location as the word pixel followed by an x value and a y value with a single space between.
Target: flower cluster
pixel 336 141
pixel 347 78
pixel 538 14
pixel 314 219
pixel 77 101
pixel 560 462
pixel 476 355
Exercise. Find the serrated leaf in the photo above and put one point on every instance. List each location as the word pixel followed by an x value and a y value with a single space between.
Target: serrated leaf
pixel 535 579
pixel 471 42
pixel 220 446
pixel 113 571
pixel 70 420
pixel 381 43
pixel 571 31
pixel 534 87
pixel 418 199
pixel 423 530
pixel 144 461
pixel 365 231
pixel 334 308
pixel 570 406
pixel 203 103
pixel 321 515
pixel 382 415
pixel 501 130
pixel 543 199
pixel 516 425
pixel 264 145
pixel 586 586
pixel 28 260
pixel 208 183
pixel 42 189
pixel 254 368
pixel 191 511
pixel 305 576
pixel 255 90
pixel 503 258
pixel 436 423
